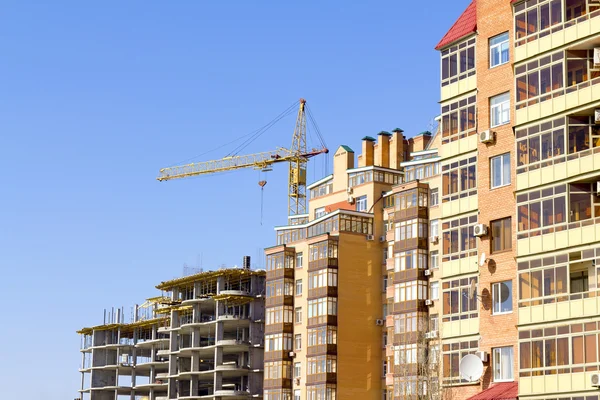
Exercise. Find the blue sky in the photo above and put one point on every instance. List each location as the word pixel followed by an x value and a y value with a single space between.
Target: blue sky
pixel 96 97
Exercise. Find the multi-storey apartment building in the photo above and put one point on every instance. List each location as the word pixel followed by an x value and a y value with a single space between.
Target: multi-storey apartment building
pixel 202 339
pixel 327 279
pixel 412 214
pixel 519 100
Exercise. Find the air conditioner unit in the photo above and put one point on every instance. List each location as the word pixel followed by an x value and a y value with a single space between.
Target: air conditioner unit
pixel 292 354
pixel 431 335
pixel 434 239
pixel 480 230
pixel 486 136
pixel 351 199
pixel 427 272
pixel 349 190
pixel 379 322
pixel 296 381
pixel 382 238
pixel 428 302
pixel 370 237
pixel 595 380
pixel 482 355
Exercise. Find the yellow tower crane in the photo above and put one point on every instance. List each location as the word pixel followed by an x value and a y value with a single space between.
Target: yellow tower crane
pixel 297 156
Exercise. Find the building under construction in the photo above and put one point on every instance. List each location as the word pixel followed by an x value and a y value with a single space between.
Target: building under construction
pixel 201 339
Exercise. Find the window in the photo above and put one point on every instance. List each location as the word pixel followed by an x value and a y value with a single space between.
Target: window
pixel 503 364
pixel 298 315
pixel 540 80
pixel 452 354
pixel 542 209
pixel 501 235
pixel 435 262
pixel 499 50
pixel 410 322
pixel 458 120
pixel 434 198
pixel 541 142
pixel 435 290
pixel 502 297
pixel 409 291
pixel 458 62
pixel 361 204
pixel 384 370
pixel 319 212
pixel 434 228
pixel 459 179
pixel 500 109
pixel 299 287
pixel 531 18
pixel 298 342
pixel 299 260
pixel 297 370
pixel 385 282
pixel 434 323
pixel 500 166
pixel 458 240
pixel 456 303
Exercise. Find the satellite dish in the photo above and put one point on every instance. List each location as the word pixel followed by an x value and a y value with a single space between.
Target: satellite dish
pixel 482 260
pixel 470 368
pixel 472 288
pixel 504 292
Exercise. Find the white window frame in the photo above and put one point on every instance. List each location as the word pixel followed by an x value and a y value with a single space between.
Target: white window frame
pixel 434 228
pixel 500 105
pixel 298 286
pixel 434 290
pixel 319 212
pixel 505 178
pixel 298 341
pixel 299 257
pixel 436 197
pixel 498 47
pixel 496 287
pixel 434 255
pixel 297 394
pixel 361 204
pixel 497 363
pixel 297 370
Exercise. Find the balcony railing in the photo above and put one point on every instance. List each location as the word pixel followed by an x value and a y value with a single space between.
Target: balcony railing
pixel 322 263
pixel 325 377
pixel 321 349
pixel 327 291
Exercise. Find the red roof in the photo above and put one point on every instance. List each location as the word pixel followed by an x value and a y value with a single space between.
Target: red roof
pixel 464 25
pixel 499 391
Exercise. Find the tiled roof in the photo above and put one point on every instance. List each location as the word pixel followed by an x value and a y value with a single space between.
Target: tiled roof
pixel 499 391
pixel 464 25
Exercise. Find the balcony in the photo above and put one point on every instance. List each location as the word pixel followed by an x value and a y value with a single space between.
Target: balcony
pixel 323 320
pixel 279 301
pixel 559 30
pixel 277 355
pixel 469 326
pixel 280 273
pixel 321 349
pixel 279 328
pixel 327 291
pixel 323 263
pixel 282 383
pixel 325 377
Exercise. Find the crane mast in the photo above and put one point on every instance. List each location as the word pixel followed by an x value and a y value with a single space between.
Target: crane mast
pixel 297 156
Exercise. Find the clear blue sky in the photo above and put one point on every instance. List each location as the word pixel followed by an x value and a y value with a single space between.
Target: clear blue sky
pixel 96 97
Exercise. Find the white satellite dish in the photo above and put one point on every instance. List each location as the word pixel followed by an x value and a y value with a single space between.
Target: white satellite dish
pixel 470 368
pixel 472 288
pixel 482 260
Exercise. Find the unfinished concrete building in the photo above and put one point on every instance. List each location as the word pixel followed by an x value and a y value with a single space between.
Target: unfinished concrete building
pixel 126 360
pixel 201 339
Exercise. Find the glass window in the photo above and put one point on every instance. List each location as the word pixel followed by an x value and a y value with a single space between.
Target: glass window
pixel 298 342
pixel 434 197
pixel 503 364
pixel 319 212
pixel 502 297
pixel 298 315
pixel 297 370
pixel 499 50
pixel 500 170
pixel 434 259
pixel 299 287
pixel 500 109
pixel 434 228
pixel 435 290
pixel 299 260
pixel 361 204
pixel 501 235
